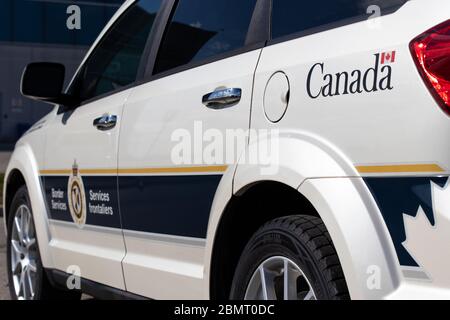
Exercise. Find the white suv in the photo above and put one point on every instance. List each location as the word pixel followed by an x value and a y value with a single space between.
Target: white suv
pixel 337 188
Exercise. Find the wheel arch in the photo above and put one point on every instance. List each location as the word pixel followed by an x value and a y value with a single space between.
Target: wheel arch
pixel 22 170
pixel 277 181
pixel 236 228
pixel 313 177
pixel 13 182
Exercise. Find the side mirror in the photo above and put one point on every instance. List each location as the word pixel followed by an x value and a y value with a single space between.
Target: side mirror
pixel 44 81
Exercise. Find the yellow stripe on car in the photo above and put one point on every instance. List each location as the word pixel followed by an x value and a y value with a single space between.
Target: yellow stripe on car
pixel 168 170
pixel 401 168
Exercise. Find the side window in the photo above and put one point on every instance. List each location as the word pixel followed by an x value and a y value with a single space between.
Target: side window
pixel 115 61
pixel 200 29
pixel 290 17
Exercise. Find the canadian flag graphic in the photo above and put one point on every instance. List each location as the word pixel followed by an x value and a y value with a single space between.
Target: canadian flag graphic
pixel 388 57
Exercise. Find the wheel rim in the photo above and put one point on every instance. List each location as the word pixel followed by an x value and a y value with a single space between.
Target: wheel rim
pixel 279 278
pixel 23 254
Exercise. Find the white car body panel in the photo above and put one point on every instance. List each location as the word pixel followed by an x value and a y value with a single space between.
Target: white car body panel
pixel 73 139
pixel 347 121
pixel 153 113
pixel 327 149
pixel 352 218
pixel 353 139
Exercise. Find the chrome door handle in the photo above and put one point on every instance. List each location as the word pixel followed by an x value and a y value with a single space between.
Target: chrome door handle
pixel 222 98
pixel 105 122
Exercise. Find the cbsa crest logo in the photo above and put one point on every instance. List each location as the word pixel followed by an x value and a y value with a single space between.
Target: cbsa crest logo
pixel 76 197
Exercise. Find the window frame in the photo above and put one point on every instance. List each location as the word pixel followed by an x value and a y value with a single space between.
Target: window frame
pixel 142 64
pixel 259 35
pixel 256 38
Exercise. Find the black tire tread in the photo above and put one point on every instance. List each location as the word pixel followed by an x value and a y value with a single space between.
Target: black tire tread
pixel 312 231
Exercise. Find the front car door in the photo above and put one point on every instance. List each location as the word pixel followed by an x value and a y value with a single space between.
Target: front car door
pixel 80 174
pixel 166 192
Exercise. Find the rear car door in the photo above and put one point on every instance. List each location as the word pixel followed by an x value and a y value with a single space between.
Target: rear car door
pixel 80 174
pixel 200 81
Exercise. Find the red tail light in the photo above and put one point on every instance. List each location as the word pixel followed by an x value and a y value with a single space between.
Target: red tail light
pixel 431 51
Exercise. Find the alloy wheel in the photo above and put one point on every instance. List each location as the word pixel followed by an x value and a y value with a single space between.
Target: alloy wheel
pixel 279 278
pixel 24 254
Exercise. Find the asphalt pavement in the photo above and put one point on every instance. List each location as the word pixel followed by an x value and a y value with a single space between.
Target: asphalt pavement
pixel 4 291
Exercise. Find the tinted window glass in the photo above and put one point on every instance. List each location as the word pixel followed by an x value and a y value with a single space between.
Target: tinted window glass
pixel 200 29
pixel 295 16
pixel 115 61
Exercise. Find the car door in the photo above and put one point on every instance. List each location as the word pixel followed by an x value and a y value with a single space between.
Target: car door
pixel 199 86
pixel 80 174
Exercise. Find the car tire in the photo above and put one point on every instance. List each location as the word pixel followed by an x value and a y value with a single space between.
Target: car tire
pixel 26 275
pixel 299 244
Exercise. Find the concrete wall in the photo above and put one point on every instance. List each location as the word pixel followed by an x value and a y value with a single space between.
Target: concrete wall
pixel 4 159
